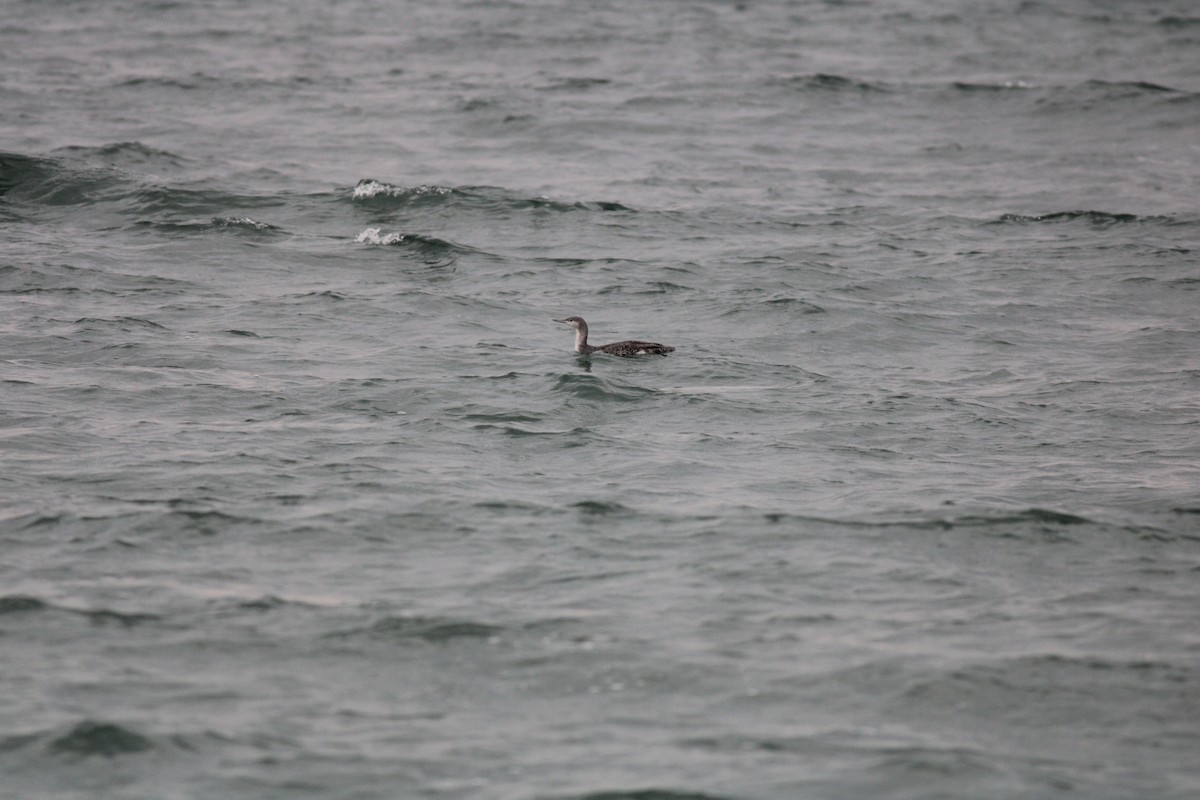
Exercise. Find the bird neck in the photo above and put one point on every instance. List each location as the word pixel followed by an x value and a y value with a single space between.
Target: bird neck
pixel 581 345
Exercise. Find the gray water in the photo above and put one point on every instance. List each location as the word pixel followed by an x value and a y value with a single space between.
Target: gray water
pixel 303 494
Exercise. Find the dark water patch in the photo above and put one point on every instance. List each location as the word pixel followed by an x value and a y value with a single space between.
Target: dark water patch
pixel 1179 23
pixel 48 181
pixel 248 334
pixel 265 603
pixel 105 616
pixel 20 604
pixel 823 83
pixel 58 182
pixel 575 84
pixel 514 506
pixel 436 630
pixel 586 205
pixel 160 81
pixel 474 104
pixel 31 522
pixel 600 508
pixel 666 287
pixel 93 738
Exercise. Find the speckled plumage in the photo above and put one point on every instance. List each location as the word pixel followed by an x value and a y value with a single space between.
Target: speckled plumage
pixel 629 347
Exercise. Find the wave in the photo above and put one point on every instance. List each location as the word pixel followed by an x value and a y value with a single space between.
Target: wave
pixel 165 522
pixel 125 155
pixel 1154 104
pixel 48 181
pixel 386 196
pixel 367 189
pixel 1100 94
pixel 1132 87
pixel 996 681
pixel 593 387
pixel 375 236
pixel 1042 519
pixel 236 225
pixel 124 324
pixel 1034 515
pixel 176 200
pixel 1003 86
pixel 28 604
pixel 108 177
pixel 1102 219
pixel 431 250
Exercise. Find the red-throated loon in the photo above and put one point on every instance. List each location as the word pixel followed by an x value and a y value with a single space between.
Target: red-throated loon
pixel 627 348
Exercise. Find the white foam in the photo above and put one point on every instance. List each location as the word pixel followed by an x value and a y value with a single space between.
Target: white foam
pixel 374 236
pixel 368 189
pixel 241 222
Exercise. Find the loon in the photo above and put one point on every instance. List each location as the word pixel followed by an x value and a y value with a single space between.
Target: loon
pixel 626 348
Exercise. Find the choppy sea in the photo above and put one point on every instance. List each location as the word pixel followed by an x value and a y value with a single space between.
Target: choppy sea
pixel 304 495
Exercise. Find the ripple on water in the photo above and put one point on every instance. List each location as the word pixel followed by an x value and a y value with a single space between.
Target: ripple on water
pixel 593 387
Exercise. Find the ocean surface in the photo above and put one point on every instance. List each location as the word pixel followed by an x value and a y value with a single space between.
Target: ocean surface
pixel 303 494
